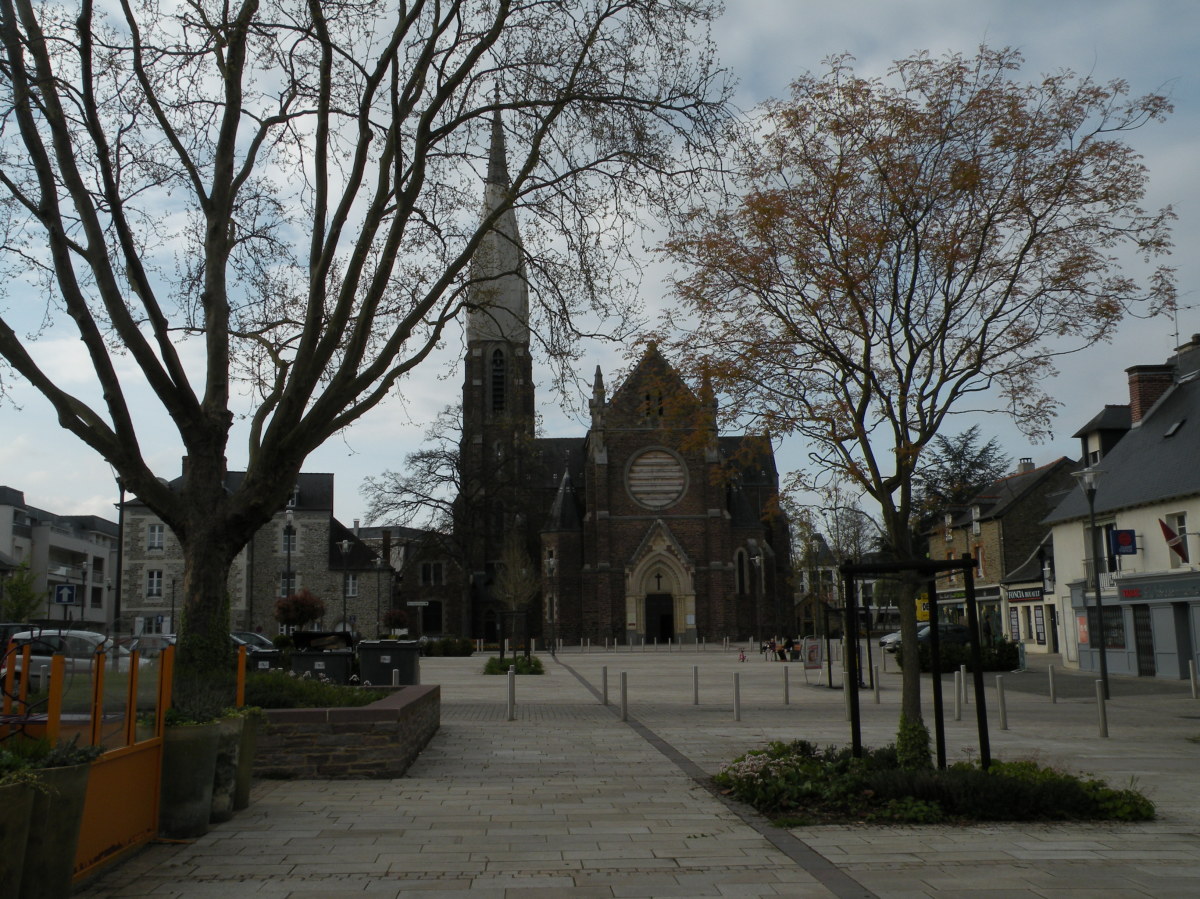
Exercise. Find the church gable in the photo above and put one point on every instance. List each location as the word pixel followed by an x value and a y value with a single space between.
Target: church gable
pixel 660 564
pixel 654 396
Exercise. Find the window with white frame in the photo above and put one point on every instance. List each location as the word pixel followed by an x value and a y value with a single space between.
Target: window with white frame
pixel 154 582
pixel 155 536
pixel 287 583
pixel 289 540
pixel 351 584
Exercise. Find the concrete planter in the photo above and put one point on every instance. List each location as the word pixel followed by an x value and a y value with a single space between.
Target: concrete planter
pixel 188 770
pixel 16 802
pixel 245 763
pixel 229 744
pixel 55 818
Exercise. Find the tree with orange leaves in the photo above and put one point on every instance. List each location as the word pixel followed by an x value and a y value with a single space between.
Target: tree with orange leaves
pixel 904 248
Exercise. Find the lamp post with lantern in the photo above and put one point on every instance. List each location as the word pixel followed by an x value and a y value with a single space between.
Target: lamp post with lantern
pixel 1088 479
pixel 345 582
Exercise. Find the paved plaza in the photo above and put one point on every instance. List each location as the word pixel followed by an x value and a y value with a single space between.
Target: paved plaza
pixel 570 798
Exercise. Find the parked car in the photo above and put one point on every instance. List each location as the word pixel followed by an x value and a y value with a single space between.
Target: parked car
pixel 251 640
pixel 79 648
pixel 150 646
pixel 957 634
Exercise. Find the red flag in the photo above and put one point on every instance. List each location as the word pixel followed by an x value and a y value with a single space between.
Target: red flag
pixel 1177 542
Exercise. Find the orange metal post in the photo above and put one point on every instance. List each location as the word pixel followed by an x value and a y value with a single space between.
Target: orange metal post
pixel 131 700
pixel 166 682
pixel 241 677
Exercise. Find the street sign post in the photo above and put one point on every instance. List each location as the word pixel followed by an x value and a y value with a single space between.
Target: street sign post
pixel 64 594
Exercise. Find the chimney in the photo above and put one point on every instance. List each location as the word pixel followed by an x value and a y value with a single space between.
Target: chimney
pixel 1147 384
pixel 1024 465
pixel 356 527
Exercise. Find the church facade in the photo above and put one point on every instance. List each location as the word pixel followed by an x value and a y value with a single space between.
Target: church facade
pixel 651 526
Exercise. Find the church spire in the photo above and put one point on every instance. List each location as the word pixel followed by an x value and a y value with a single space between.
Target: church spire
pixel 499 297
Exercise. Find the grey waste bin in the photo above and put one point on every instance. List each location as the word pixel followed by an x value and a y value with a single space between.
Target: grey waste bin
pixel 336 665
pixel 263 660
pixel 377 659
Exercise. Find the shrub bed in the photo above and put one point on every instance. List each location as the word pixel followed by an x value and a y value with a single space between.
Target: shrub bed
pixel 524 665
pixel 798 783
pixel 283 690
pixel 448 646
pixel 1002 656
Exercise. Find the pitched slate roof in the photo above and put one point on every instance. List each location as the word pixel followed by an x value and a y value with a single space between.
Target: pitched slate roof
pixel 1155 462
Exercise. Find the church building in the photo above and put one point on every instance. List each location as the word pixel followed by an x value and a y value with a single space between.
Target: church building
pixel 651 526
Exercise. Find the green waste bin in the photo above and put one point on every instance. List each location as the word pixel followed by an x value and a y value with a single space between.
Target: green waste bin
pixel 335 665
pixel 377 659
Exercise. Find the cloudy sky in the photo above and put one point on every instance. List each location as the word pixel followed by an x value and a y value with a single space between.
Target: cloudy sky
pixel 766 43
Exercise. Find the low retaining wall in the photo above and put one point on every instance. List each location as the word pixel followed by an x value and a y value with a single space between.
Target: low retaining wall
pixel 376 742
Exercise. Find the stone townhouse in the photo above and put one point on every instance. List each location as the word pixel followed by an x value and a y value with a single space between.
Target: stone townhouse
pixel 1001 528
pixel 304 545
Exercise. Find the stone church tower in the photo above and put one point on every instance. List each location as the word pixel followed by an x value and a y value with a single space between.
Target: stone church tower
pixel 498 400
pixel 649 527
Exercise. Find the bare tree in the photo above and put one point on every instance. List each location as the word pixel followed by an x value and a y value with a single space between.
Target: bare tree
pixel 903 246
pixel 282 197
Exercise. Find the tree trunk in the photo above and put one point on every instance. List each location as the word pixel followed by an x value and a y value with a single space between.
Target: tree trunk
pixel 204 670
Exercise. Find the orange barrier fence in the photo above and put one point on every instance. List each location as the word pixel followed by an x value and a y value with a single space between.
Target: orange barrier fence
pixel 124 711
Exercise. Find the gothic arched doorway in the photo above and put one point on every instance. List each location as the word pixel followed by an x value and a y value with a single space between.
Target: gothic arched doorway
pixel 660 617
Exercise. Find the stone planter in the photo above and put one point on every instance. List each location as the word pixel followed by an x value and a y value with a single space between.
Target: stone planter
pixel 16 802
pixel 229 744
pixel 245 764
pixel 188 769
pixel 55 817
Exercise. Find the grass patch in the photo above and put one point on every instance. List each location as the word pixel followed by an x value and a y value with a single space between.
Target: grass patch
pixel 523 664
pixel 798 784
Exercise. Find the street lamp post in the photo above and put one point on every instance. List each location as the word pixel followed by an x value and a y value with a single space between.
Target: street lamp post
pixel 551 567
pixel 1088 478
pixel 378 594
pixel 757 559
pixel 345 582
pixel 289 533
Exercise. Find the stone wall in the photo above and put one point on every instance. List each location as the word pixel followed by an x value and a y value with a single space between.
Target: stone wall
pixel 375 742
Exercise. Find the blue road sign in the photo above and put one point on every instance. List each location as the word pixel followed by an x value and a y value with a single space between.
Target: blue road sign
pixel 64 594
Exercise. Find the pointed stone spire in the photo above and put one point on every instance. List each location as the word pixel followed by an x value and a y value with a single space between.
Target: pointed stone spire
pixel 500 297
pixel 498 156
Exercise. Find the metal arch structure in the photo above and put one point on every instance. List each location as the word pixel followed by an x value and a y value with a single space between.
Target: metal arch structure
pixel 929 568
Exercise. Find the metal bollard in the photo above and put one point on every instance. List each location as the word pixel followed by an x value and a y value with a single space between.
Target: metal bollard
pixel 958 692
pixel 876 685
pixel 1000 702
pixel 787 699
pixel 965 692
pixel 1192 676
pixel 395 677
pixel 512 693
pixel 737 696
pixel 695 685
pixel 1100 710
pixel 1053 688
pixel 624 697
pixel 604 685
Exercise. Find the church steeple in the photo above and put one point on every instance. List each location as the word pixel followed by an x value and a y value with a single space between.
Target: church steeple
pixel 499 297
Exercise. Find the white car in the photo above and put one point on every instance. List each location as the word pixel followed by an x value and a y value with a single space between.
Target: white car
pixel 890 642
pixel 79 648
